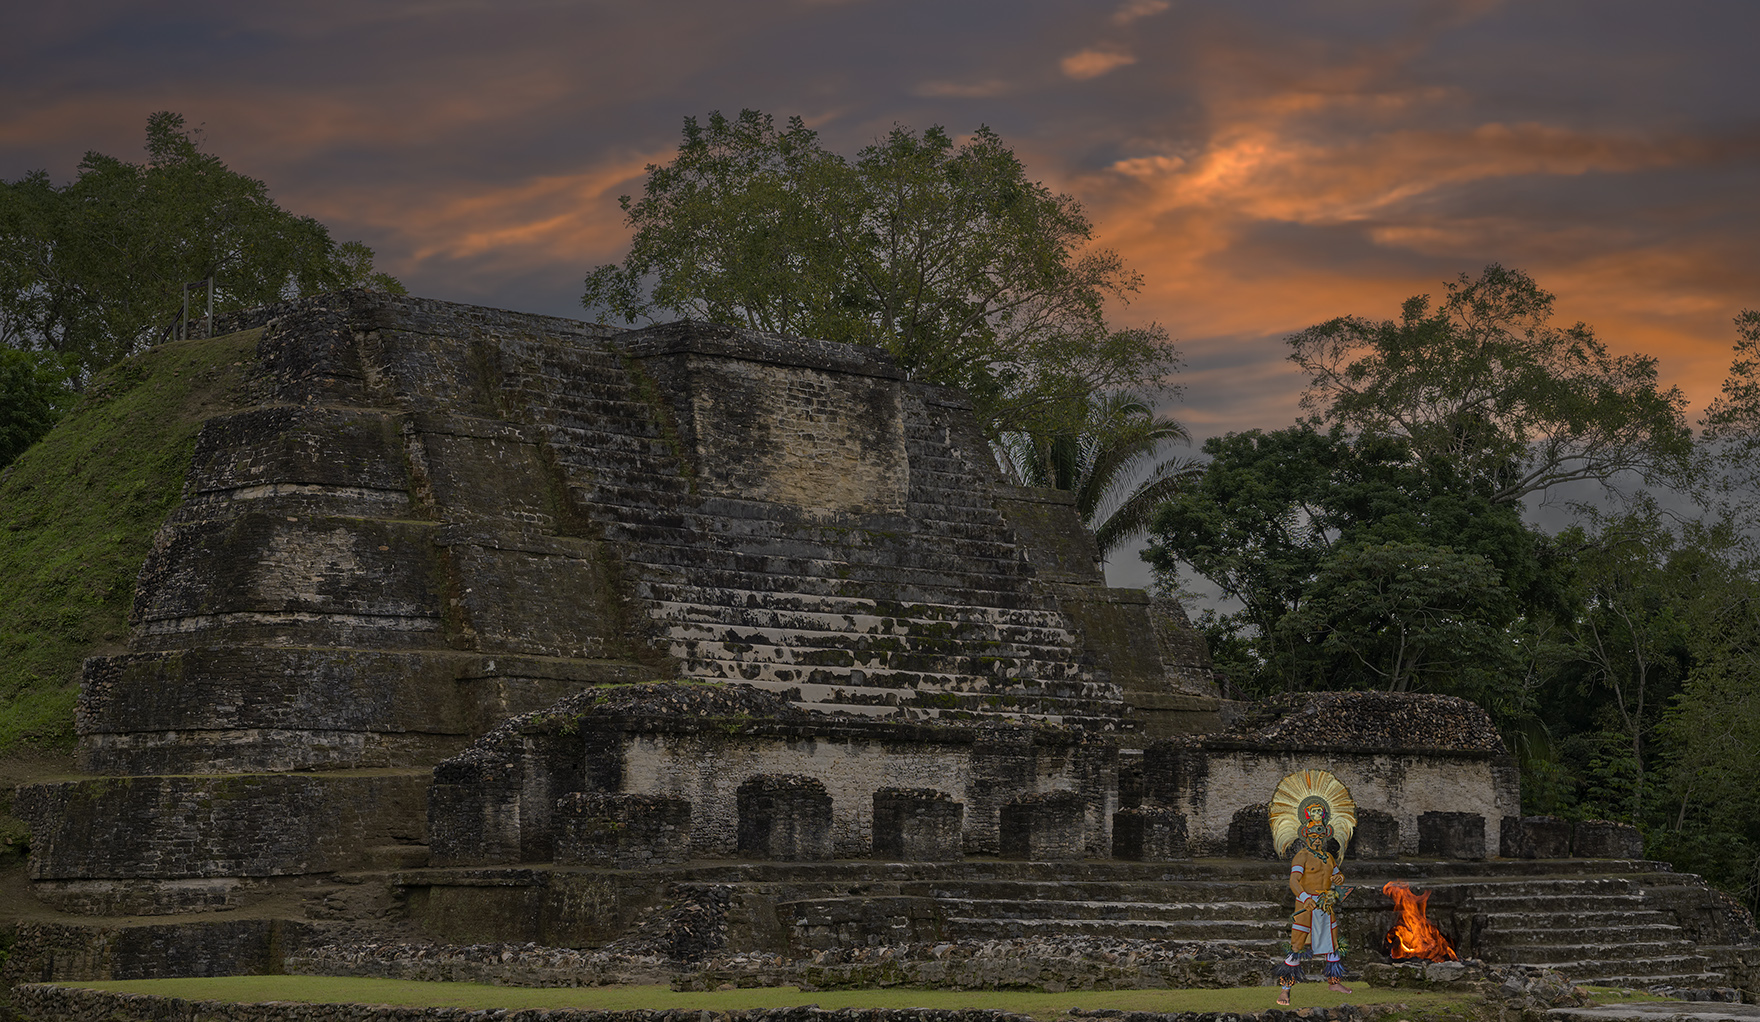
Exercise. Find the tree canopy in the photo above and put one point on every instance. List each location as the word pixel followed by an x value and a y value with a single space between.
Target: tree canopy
pixel 1354 566
pixel 1484 383
pixel 944 254
pixel 94 269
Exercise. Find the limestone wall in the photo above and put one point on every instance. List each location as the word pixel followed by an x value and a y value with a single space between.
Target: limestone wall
pixel 1209 781
pixel 980 771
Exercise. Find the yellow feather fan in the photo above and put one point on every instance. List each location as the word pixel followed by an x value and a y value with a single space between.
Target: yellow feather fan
pixel 1296 792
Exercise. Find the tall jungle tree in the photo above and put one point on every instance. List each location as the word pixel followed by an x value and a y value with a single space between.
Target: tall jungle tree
pixel 943 253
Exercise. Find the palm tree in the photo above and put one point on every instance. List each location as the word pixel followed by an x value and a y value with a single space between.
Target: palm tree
pixel 1119 436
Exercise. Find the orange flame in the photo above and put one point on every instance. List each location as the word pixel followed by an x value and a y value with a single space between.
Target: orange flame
pixel 1412 935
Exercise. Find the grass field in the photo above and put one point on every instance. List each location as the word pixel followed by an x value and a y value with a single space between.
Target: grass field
pixel 335 990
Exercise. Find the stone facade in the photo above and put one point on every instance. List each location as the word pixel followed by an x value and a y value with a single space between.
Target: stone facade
pixel 701 744
pixel 1214 779
pixel 1535 837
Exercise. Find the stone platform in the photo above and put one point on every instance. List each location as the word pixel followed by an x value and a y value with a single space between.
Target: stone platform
pixel 1673 930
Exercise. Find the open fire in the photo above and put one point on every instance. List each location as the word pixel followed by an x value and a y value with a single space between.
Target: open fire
pixel 1413 935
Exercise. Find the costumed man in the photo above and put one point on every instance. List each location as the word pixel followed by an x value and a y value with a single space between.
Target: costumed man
pixel 1313 811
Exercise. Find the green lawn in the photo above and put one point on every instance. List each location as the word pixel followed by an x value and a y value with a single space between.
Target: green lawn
pixel 330 989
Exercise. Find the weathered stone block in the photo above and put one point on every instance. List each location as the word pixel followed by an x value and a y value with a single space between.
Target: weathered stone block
pixel 922 824
pixel 1043 826
pixel 1249 833
pixel 49 952
pixel 1376 836
pixel 248 825
pixel 1535 837
pixel 1148 834
pixel 623 831
pixel 473 815
pixel 785 817
pixel 1451 835
pixel 1606 839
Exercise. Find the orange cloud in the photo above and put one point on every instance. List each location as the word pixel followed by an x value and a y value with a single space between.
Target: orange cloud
pixel 1132 10
pixel 568 219
pixel 1092 63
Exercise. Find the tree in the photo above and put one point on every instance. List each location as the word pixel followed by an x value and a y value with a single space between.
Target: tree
pixel 1356 567
pixel 1121 436
pixel 943 254
pixel 1712 732
pixel 95 269
pixel 33 397
pixel 1486 385
pixel 1406 616
pixel 1732 423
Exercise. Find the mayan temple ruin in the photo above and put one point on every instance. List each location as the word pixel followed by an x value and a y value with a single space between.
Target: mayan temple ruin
pixel 478 627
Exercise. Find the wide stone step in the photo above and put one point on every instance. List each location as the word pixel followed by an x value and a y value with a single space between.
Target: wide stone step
pixel 1645 982
pixel 1615 949
pixel 928 574
pixel 740 614
pixel 752 604
pixel 1250 916
pixel 1148 892
pixel 1684 970
pixel 671 583
pixel 1060 688
pixel 979 653
pixel 929 703
pixel 1585 902
pixel 697 538
pixel 1515 922
pixel 582 445
pixel 1209 931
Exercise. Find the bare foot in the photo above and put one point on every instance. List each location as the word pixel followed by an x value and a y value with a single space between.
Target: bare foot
pixel 1283 998
pixel 1336 987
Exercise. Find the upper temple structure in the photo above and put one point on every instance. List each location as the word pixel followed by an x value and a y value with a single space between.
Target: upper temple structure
pixel 464 611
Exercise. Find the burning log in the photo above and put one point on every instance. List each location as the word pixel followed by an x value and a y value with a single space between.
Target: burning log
pixel 1413 935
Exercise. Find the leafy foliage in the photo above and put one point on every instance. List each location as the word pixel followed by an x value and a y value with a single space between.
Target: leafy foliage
pixel 1484 382
pixel 943 254
pixel 1120 438
pixel 1355 567
pixel 33 395
pixel 95 269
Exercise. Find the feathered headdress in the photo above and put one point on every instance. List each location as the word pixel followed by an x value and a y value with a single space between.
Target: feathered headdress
pixel 1295 793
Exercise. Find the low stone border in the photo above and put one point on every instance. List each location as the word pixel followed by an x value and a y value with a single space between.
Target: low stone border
pixel 513 965
pixel 42 1002
pixel 1052 965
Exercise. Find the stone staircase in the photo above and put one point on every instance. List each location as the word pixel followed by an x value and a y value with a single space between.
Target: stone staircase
pixel 1524 912
pixel 926 609
pixel 1602 930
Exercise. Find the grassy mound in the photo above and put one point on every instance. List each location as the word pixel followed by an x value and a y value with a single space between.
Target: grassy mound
pixel 77 516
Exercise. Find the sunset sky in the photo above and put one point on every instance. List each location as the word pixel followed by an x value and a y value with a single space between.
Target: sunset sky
pixel 1265 165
